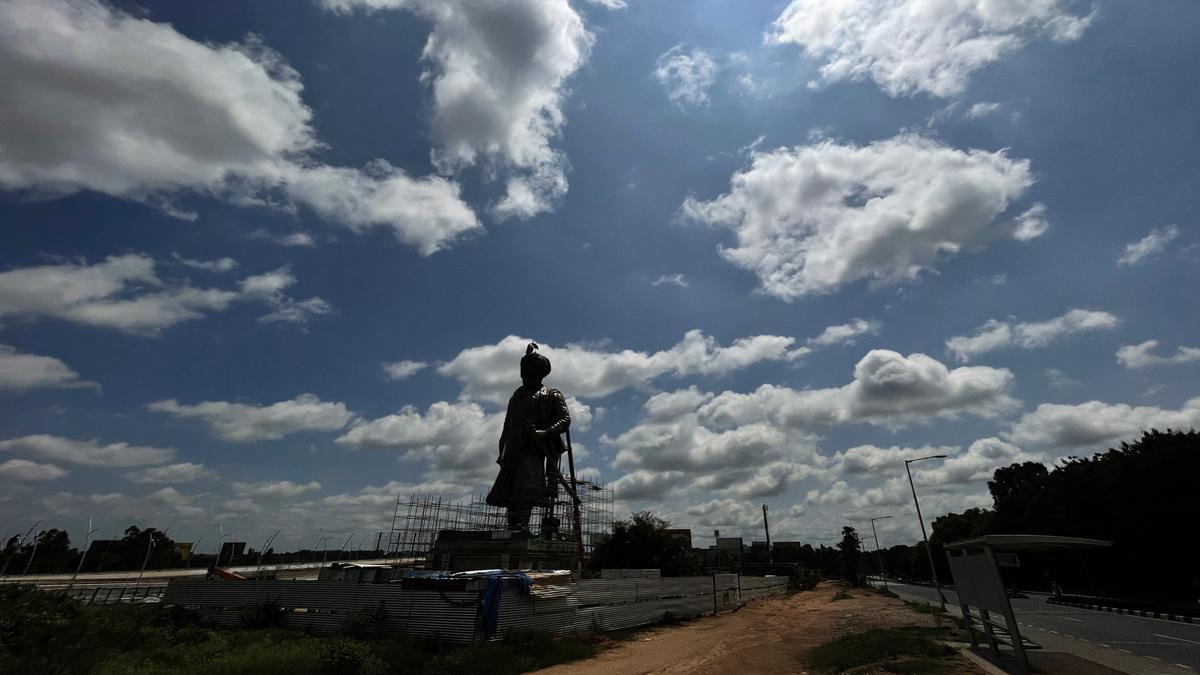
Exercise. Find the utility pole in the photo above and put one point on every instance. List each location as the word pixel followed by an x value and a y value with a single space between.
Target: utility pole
pixel 767 530
pixel 928 551
pixel 882 569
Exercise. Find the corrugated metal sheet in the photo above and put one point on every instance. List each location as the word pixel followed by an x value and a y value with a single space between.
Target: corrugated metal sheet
pixel 585 605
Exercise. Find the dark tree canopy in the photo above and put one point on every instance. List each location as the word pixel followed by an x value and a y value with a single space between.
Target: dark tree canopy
pixel 1142 496
pixel 643 543
pixel 851 553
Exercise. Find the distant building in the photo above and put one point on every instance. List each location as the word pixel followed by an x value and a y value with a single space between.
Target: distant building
pixel 681 535
pixel 730 544
pixel 100 546
pixel 238 549
pixel 787 551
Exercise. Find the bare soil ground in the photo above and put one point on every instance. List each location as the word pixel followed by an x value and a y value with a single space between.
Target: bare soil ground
pixel 767 636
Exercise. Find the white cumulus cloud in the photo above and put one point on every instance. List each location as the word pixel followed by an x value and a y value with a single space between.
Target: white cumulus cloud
pixel 810 219
pixel 402 370
pixel 1139 356
pixel 498 74
pixel 281 488
pixel 1095 422
pixel 137 110
pixel 686 76
pixel 89 453
pixel 25 470
pixel 909 46
pixel 1148 246
pixel 489 372
pixel 845 333
pixel 183 472
pixel 125 293
pixel 888 388
pixel 242 422
pixel 994 334
pixel 21 372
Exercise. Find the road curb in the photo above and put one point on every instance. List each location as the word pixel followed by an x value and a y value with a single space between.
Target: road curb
pixel 980 662
pixel 1180 618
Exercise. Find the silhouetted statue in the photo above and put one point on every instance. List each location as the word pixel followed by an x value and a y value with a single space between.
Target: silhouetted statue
pixel 531 444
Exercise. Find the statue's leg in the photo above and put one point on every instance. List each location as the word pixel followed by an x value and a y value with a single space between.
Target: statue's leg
pixel 518 516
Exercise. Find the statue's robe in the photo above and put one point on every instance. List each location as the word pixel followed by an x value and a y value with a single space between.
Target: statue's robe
pixel 529 464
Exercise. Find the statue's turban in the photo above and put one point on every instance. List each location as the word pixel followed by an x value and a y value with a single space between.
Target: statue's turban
pixel 534 362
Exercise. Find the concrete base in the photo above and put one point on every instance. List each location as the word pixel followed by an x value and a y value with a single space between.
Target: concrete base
pixel 1056 663
pixel 463 550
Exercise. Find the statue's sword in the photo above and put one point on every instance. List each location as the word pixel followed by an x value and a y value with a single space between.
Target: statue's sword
pixel 574 491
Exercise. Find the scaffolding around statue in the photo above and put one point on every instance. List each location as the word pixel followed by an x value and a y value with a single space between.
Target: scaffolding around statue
pixel 456 534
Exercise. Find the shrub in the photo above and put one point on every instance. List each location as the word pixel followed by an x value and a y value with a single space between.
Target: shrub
pixel 265 614
pixel 342 656
pixel 886 647
pixel 366 621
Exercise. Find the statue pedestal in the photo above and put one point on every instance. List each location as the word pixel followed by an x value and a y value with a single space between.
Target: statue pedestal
pixel 463 550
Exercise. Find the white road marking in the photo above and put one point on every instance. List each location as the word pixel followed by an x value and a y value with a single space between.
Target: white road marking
pixel 1183 666
pixel 1172 637
pixel 1070 619
pixel 1104 645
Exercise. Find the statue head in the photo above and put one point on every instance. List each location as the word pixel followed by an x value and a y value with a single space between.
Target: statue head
pixel 534 366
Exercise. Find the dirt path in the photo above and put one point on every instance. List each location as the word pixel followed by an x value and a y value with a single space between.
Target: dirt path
pixel 767 636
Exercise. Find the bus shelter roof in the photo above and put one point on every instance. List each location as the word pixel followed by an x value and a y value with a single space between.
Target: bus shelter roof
pixel 1030 542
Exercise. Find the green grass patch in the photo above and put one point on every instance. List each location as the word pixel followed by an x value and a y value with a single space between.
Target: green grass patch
pixel 899 650
pixel 922 608
pixel 50 634
pixel 841 595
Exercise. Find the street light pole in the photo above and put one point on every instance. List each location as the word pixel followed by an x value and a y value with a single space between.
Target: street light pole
pixel 86 540
pixel 192 551
pixel 36 541
pixel 20 543
pixel 149 550
pixel 882 569
pixel 263 551
pixel 220 542
pixel 928 551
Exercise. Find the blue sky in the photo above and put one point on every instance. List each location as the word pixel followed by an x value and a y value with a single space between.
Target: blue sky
pixel 772 249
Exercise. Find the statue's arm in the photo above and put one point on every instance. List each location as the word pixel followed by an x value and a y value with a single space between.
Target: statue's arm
pixel 503 433
pixel 558 403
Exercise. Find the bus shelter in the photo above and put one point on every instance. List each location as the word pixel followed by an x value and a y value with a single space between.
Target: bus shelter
pixel 986 609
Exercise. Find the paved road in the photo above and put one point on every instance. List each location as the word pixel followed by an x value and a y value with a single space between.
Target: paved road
pixel 1131 643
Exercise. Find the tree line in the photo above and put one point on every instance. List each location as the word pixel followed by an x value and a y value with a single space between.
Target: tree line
pixel 1143 496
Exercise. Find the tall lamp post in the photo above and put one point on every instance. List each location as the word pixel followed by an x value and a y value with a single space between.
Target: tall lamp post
pixel 192 551
pixel 882 569
pixel 263 550
pixel 346 543
pixel 149 550
pixel 20 543
pixel 220 542
pixel 928 551
pixel 36 540
pixel 86 541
